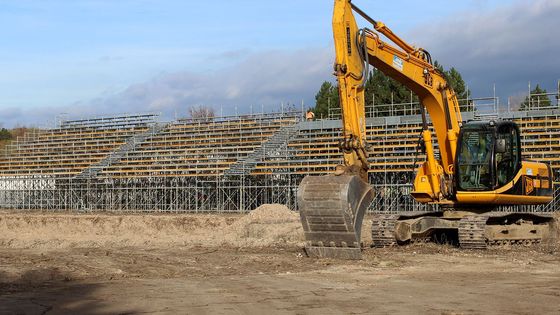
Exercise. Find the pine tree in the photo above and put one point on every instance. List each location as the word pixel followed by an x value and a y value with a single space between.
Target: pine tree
pixel 537 98
pixel 455 80
pixel 381 91
pixel 326 98
pixel 5 134
pixel 457 83
pixel 438 66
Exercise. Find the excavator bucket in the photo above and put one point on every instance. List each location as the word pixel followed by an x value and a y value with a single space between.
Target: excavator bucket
pixel 332 209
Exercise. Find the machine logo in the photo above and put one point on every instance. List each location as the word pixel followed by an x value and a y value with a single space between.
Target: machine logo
pixel 398 63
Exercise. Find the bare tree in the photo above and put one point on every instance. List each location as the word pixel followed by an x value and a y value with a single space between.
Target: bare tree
pixel 202 112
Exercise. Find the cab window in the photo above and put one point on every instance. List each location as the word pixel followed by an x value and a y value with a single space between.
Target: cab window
pixel 507 154
pixel 474 160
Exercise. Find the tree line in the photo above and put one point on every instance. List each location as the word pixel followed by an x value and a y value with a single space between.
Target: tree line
pixel 8 135
pixel 536 98
pixel 383 93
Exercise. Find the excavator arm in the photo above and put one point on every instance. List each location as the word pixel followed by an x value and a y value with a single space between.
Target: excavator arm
pixel 332 206
pixel 351 74
pixel 356 49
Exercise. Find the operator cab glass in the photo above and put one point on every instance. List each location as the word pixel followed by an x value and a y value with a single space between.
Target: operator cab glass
pixel 508 154
pixel 488 156
pixel 474 160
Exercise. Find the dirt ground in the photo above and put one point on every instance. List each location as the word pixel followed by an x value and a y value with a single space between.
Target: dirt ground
pixel 252 264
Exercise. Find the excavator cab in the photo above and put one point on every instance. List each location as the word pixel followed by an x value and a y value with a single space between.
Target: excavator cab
pixel 488 155
pixel 489 168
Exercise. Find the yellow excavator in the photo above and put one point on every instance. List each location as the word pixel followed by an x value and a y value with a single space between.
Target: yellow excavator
pixel 479 166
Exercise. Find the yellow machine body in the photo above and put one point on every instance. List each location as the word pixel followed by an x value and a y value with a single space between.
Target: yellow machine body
pixel 502 178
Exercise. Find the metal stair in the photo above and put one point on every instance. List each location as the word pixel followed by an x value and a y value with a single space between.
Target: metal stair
pixel 93 170
pixel 273 146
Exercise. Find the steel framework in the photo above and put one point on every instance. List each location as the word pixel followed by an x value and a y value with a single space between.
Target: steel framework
pixel 185 163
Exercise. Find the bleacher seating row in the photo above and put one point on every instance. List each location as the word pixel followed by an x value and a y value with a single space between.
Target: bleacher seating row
pixel 208 148
pixel 205 148
pixel 394 147
pixel 182 148
pixel 70 148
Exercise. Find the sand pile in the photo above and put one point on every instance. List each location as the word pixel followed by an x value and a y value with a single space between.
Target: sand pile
pixel 267 225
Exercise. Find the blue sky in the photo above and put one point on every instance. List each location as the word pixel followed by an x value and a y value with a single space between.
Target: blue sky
pixel 101 57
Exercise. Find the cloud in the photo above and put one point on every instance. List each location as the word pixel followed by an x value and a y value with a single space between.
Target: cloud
pixel 508 46
pixel 265 78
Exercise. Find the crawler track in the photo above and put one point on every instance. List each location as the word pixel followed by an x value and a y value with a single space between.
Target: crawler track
pixel 383 230
pixel 471 232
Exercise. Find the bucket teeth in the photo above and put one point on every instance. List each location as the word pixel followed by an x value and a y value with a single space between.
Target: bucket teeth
pixel 332 209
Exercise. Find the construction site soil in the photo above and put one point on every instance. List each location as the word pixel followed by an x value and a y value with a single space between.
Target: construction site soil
pixel 60 263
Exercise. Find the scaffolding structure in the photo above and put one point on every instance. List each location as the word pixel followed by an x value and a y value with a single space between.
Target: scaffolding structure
pixel 136 163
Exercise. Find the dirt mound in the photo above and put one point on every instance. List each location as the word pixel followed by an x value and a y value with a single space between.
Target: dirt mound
pixel 268 225
pixel 72 230
pixel 265 226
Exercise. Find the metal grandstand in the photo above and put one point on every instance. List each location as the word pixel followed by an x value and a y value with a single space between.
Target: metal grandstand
pixel 136 163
